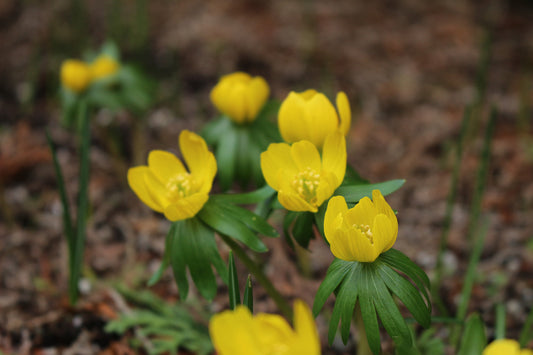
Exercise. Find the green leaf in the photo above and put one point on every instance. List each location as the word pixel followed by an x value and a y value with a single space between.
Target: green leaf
pixel 390 315
pixel 368 313
pixel 226 156
pixel 247 217
pixel 407 293
pixel 319 219
pixel 215 129
pixel 399 261
pixel 353 193
pixel 233 286
pixel 194 247
pixel 166 258
pixel 337 271
pixel 248 299
pixel 227 223
pixel 248 198
pixel 474 339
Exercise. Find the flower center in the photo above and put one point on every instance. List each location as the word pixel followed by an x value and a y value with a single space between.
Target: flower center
pixel 306 183
pixel 180 186
pixel 365 230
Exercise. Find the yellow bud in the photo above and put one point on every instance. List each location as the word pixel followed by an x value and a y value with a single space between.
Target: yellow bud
pixel 103 66
pixel 75 75
pixel 240 96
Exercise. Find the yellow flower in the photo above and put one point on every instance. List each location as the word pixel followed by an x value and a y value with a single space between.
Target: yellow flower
pixel 505 347
pixel 311 116
pixel 240 97
pixel 166 186
pixel 103 66
pixel 75 75
pixel 302 179
pixel 363 232
pixel 239 333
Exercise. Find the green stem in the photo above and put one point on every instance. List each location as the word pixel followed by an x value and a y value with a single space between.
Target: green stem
pixel 83 203
pixel 362 343
pixel 280 301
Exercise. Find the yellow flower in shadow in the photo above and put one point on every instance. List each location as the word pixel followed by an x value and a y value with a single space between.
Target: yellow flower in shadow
pixel 75 75
pixel 240 97
pixel 166 186
pixel 103 67
pixel 311 116
pixel 505 347
pixel 304 180
pixel 239 333
pixel 363 232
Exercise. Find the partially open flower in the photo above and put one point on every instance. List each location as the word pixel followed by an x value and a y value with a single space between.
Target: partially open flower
pixel 240 97
pixel 103 67
pixel 505 347
pixel 311 116
pixel 166 186
pixel 75 75
pixel 239 333
pixel 363 232
pixel 302 179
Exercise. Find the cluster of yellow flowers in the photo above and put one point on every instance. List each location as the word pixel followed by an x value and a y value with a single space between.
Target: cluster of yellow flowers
pixel 305 171
pixel 77 75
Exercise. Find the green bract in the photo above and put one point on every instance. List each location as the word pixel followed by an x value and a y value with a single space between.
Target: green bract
pixel 373 286
pixel 237 147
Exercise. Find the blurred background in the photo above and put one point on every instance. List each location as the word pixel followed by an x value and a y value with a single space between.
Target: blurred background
pixel 409 69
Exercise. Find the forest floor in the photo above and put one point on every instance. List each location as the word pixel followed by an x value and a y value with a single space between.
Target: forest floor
pixel 409 69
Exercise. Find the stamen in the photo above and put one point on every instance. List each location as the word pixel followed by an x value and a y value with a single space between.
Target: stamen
pixel 306 183
pixel 180 186
pixel 366 231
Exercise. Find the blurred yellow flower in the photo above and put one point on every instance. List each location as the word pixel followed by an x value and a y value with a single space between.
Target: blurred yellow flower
pixel 505 347
pixel 103 66
pixel 75 75
pixel 302 179
pixel 166 186
pixel 311 116
pixel 240 97
pixel 239 333
pixel 363 232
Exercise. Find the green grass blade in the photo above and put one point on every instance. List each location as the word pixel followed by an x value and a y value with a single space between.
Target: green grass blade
pixel 526 333
pixel 67 219
pixel 83 202
pixel 248 298
pixel 500 321
pixel 446 224
pixel 233 287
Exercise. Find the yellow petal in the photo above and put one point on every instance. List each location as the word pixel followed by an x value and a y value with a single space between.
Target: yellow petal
pixel 304 324
pixel 363 213
pixel 502 347
pixel 103 66
pixel 526 352
pixel 137 183
pixel 383 233
pixel 322 119
pixel 164 165
pixel 75 75
pixel 272 330
pixel 277 164
pixel 186 207
pixel 292 118
pixel 199 159
pixel 345 113
pixel 308 94
pixel 293 202
pixel 383 207
pixel 256 96
pixel 305 155
pixel 334 156
pixel 326 188
pixel 336 207
pixel 230 333
pixel 156 189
